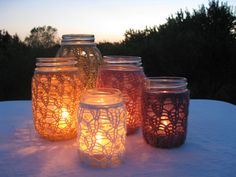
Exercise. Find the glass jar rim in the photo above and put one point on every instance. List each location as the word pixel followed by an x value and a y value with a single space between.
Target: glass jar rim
pixel 78 39
pixel 168 79
pixel 166 82
pixel 119 59
pixel 55 61
pixel 82 37
pixel 104 91
pixel 101 97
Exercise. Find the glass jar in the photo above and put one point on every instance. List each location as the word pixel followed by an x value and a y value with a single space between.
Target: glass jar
pixel 88 56
pixel 124 73
pixel 165 111
pixel 102 131
pixel 55 95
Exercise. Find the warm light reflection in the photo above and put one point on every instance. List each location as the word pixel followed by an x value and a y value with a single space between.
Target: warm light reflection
pixel 165 117
pixel 64 114
pixel 54 103
pixel 164 122
pixel 100 100
pixel 64 118
pixel 101 132
pixel 99 138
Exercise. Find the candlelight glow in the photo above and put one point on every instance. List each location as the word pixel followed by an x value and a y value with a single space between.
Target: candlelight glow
pixel 101 132
pixel 64 117
pixel 165 112
pixel 64 114
pixel 99 138
pixel 164 123
pixel 54 103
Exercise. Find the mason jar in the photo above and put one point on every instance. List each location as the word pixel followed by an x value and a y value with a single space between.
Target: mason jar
pixel 55 96
pixel 102 131
pixel 87 55
pixel 165 111
pixel 126 74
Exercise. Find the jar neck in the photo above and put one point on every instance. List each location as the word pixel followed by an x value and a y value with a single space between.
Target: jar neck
pixel 122 60
pixel 78 39
pixel 101 97
pixel 55 64
pixel 166 84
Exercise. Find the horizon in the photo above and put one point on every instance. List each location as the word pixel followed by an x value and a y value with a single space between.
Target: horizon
pixel 107 20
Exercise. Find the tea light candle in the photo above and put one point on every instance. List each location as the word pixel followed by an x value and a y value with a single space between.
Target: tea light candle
pixel 55 98
pixel 101 131
pixel 165 111
pixel 65 117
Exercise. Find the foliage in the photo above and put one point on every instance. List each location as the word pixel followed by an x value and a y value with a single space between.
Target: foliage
pixel 42 37
pixel 198 45
pixel 17 62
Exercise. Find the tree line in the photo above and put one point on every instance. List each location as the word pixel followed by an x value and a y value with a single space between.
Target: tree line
pixel 199 45
pixel 17 63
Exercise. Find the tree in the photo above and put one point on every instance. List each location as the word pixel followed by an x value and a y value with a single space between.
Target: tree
pixel 199 45
pixel 15 67
pixel 17 63
pixel 42 37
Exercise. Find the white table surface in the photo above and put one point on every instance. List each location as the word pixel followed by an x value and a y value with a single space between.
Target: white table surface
pixel 210 148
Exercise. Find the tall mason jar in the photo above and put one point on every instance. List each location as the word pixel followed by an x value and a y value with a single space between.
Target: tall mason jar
pixel 55 96
pixel 165 111
pixel 89 58
pixel 126 74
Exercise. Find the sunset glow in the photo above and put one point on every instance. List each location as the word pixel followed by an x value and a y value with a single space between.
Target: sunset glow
pixel 108 20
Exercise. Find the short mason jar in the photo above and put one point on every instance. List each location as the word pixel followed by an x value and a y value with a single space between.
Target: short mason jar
pixel 88 56
pixel 102 131
pixel 126 74
pixel 165 111
pixel 55 95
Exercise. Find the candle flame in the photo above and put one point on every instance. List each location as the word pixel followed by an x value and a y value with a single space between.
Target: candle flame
pixel 99 138
pixel 164 122
pixel 64 117
pixel 100 100
pixel 64 114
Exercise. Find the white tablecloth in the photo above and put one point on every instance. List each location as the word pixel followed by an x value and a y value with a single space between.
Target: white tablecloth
pixel 210 148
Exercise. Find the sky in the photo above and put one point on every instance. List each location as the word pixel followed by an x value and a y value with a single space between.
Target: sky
pixel 106 19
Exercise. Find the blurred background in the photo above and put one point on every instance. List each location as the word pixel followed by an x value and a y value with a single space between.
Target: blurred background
pixel 196 39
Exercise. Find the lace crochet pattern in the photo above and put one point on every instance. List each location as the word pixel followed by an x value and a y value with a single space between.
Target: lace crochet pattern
pixel 101 134
pixel 54 103
pixel 130 83
pixel 88 61
pixel 165 118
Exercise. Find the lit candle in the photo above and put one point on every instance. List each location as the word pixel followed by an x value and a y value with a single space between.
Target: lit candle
pixel 55 98
pixel 163 123
pixel 101 132
pixel 65 117
pixel 165 111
